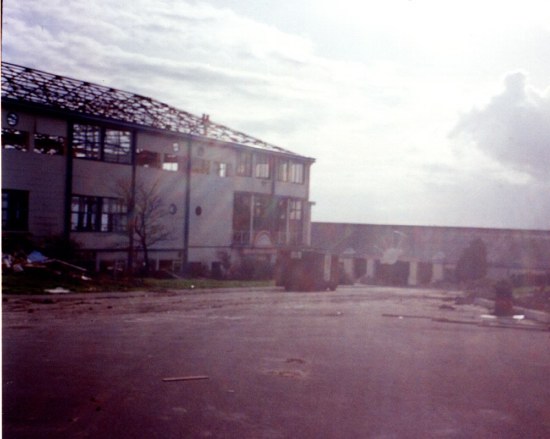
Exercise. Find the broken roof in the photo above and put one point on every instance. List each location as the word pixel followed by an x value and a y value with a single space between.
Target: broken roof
pixel 24 84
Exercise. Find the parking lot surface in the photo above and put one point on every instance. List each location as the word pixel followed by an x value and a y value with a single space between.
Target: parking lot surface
pixel 360 362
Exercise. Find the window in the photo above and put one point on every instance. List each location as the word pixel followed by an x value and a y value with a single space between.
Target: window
pixel 244 164
pixel 113 215
pixel 147 159
pixel 200 166
pixel 282 170
pixel 263 168
pixel 241 218
pixel 48 144
pixel 87 141
pixel 15 139
pixel 170 163
pixel 97 214
pixel 15 210
pixel 116 146
pixel 264 212
pixel 96 143
pixel 295 210
pixel 296 172
pixel 222 169
pixel 295 223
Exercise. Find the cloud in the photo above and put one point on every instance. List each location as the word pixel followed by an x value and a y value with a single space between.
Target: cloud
pixel 513 128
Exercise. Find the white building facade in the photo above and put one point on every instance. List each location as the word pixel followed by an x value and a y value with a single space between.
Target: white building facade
pixel 71 151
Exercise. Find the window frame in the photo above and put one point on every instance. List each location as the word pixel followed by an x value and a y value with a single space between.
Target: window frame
pixel 15 133
pixel 15 210
pixel 90 213
pixel 296 172
pixel 244 164
pixel 94 142
pixel 262 166
pixel 59 142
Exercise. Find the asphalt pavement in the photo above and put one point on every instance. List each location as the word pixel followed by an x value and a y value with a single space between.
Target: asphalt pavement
pixel 360 362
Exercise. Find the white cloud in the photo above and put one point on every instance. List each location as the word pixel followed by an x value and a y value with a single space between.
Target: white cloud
pixel 513 128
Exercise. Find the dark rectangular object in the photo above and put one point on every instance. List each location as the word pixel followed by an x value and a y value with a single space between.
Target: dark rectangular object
pixel 307 269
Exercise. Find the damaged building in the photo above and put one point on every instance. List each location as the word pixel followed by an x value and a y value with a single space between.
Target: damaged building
pixel 72 151
pixel 422 255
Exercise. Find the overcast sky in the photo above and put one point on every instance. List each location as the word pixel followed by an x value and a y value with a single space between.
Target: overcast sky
pixel 417 112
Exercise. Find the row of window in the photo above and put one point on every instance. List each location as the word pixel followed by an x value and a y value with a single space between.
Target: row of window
pixel 280 216
pixel 110 145
pixel 43 143
pixel 97 214
pixel 286 170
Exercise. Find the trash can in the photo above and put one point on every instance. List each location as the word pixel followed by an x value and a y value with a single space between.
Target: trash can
pixel 307 270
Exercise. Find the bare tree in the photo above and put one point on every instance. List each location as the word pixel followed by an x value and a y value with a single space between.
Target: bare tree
pixel 146 214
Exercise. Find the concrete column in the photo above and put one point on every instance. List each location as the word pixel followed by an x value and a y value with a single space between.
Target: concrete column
pixel 438 272
pixel 370 267
pixel 413 273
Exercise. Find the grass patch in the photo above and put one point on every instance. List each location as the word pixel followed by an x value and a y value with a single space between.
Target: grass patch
pixel 37 281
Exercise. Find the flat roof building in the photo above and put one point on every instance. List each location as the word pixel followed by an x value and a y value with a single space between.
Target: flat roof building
pixel 79 158
pixel 420 255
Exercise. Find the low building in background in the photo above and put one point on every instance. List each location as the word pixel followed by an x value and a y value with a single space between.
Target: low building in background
pixel 76 157
pixel 422 255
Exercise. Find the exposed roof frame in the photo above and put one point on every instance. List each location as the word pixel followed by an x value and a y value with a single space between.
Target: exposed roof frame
pixel 23 84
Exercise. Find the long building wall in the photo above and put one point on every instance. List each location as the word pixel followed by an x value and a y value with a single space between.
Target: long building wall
pixel 422 254
pixel 200 221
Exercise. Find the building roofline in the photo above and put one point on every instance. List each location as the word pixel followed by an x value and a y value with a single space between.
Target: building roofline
pixel 47 91
pixel 410 226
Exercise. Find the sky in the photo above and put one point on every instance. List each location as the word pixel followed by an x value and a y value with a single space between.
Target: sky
pixel 417 112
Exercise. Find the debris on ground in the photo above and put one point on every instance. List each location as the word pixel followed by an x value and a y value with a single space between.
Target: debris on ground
pixel 57 290
pixel 186 378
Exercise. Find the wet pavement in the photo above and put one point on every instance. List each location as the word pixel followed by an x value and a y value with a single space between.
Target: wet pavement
pixel 365 362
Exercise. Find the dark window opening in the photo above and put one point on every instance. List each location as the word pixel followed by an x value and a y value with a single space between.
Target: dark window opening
pixel 241 218
pixel 15 139
pixel 244 164
pixel 48 144
pixel 147 159
pixel 200 166
pixel 15 210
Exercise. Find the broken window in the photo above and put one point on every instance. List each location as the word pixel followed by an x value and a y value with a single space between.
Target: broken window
pixel 15 210
pixel 117 146
pixel 96 143
pixel 263 168
pixel 15 139
pixel 200 166
pixel 87 141
pixel 48 144
pixel 97 214
pixel 147 159
pixel 244 164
